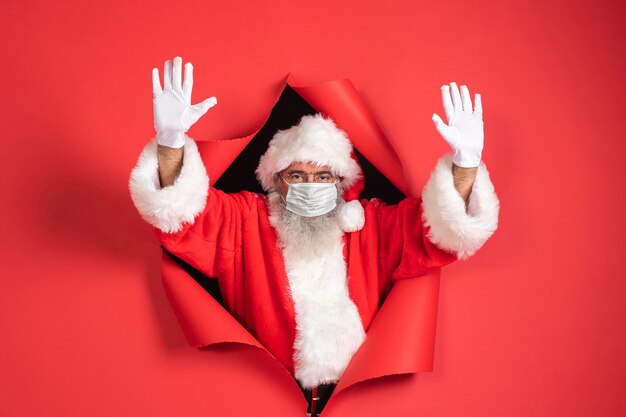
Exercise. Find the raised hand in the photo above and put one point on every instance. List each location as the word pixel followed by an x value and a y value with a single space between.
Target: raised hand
pixel 464 131
pixel 173 112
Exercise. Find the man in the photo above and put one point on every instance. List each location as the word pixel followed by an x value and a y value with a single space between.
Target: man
pixel 306 266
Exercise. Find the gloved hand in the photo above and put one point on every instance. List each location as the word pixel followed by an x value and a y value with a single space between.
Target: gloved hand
pixel 173 112
pixel 464 131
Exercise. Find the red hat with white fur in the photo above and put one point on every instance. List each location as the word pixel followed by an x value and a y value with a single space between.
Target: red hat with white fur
pixel 317 140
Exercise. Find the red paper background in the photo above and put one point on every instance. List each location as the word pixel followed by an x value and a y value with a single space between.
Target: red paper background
pixel 532 325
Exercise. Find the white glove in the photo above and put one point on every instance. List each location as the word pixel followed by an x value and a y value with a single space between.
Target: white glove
pixel 464 131
pixel 173 112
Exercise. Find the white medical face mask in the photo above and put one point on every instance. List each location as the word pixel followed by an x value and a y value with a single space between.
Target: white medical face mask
pixel 311 199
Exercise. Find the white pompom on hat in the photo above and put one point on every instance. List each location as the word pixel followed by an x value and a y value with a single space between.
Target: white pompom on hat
pixel 316 140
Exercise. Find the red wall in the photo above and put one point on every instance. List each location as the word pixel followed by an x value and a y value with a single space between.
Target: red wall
pixel 530 326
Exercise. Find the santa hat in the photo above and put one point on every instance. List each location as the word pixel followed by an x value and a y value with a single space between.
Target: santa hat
pixel 317 140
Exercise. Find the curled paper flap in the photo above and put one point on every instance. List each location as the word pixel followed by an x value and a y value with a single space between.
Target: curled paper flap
pixel 401 338
pixel 203 320
pixel 341 101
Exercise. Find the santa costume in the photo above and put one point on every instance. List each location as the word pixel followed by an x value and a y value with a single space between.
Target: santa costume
pixel 310 303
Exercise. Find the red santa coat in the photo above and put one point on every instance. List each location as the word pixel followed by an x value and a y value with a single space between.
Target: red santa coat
pixel 230 237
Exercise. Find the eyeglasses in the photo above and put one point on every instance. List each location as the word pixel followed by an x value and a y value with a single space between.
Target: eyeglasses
pixel 297 177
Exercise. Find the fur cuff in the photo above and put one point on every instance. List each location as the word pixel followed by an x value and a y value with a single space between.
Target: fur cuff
pixel 351 216
pixel 168 208
pixel 451 227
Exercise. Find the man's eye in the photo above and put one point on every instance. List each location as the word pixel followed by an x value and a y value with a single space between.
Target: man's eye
pixel 295 177
pixel 323 178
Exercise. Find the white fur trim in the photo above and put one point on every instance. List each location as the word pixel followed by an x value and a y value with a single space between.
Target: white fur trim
pixel 314 139
pixel 170 207
pixel 451 227
pixel 351 216
pixel 328 325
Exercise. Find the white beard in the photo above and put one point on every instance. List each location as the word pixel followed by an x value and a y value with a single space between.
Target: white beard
pixel 328 326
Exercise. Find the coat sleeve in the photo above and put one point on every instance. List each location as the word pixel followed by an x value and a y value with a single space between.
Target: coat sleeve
pixel 419 234
pixel 197 223
pixel 451 226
